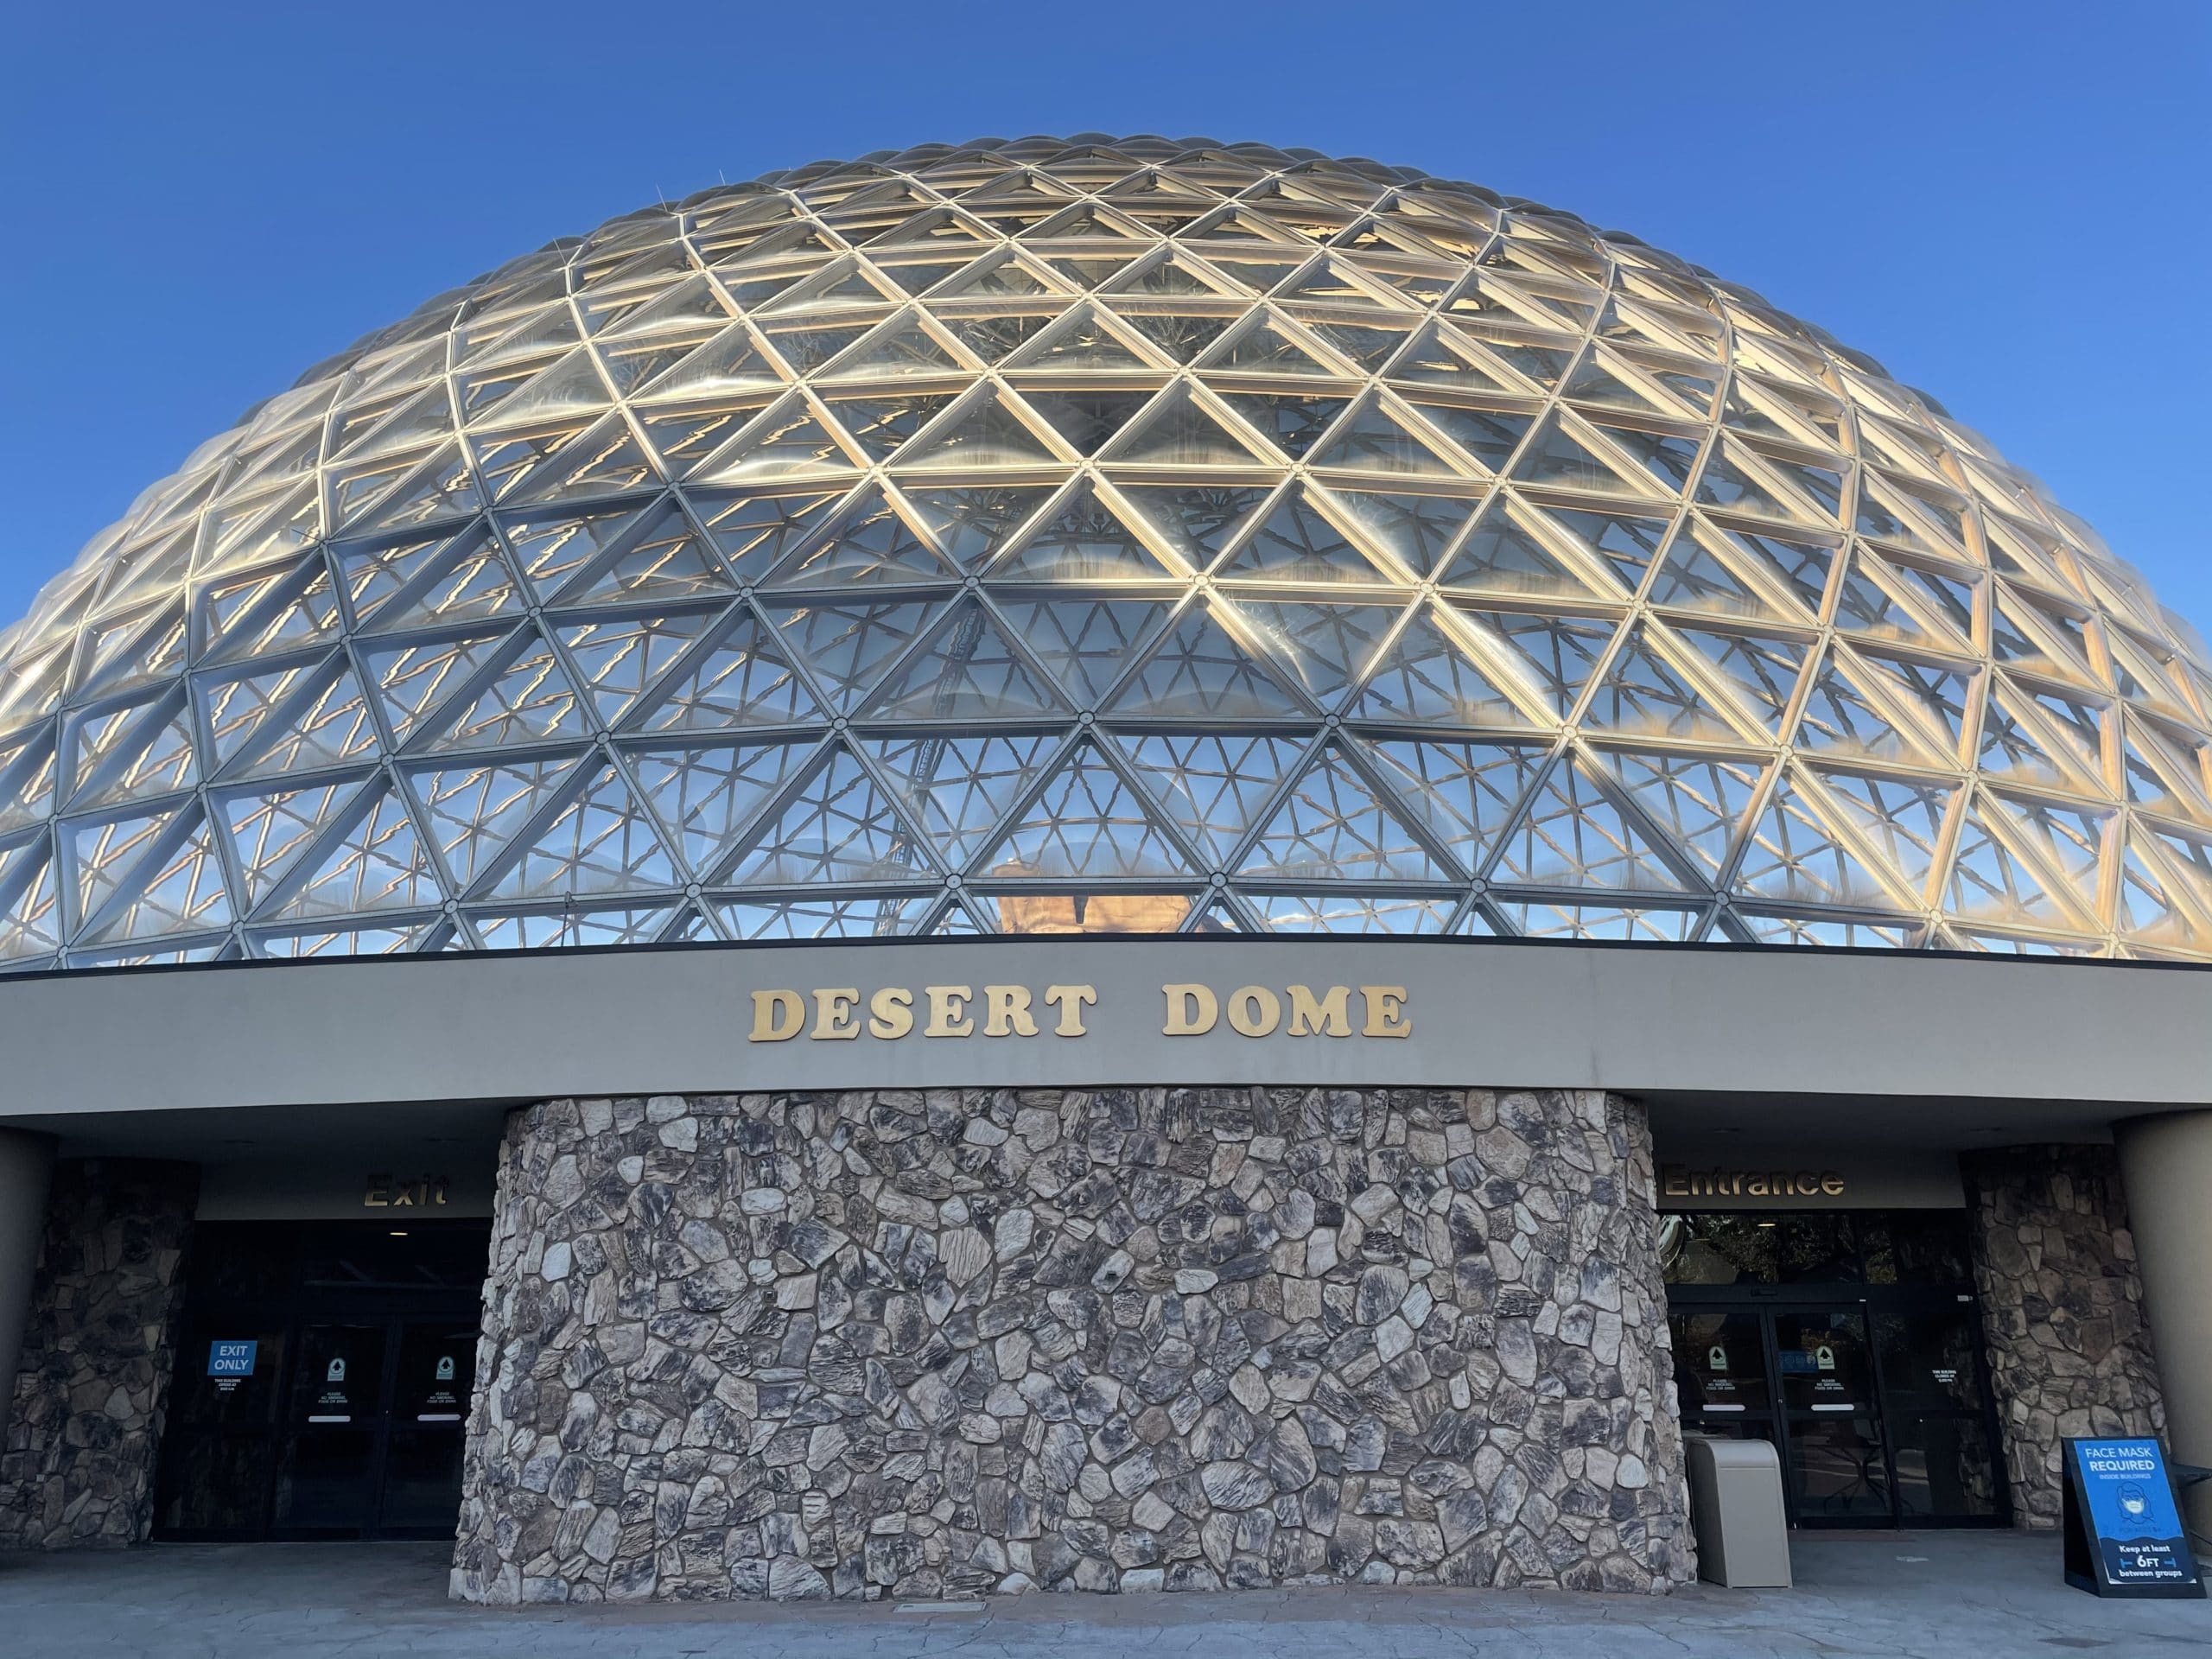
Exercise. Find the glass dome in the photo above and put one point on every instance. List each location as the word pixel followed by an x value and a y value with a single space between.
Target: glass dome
pixel 1098 535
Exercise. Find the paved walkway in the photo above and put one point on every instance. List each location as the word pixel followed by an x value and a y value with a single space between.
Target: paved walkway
pixel 1900 1596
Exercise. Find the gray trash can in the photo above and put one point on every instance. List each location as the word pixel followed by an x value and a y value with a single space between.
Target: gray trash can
pixel 1743 1535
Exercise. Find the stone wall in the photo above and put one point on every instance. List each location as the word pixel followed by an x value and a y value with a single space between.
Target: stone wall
pixel 2070 1349
pixel 78 1469
pixel 966 1341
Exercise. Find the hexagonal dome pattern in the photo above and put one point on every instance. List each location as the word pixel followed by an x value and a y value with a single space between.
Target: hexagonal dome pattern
pixel 1098 535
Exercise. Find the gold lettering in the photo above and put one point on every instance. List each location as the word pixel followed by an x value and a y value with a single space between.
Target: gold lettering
pixel 1324 1018
pixel 1755 1186
pixel 378 1197
pixel 891 1012
pixel 442 1190
pixel 777 1016
pixel 1254 1011
pixel 949 1010
pixel 1007 1011
pixel 833 1015
pixel 1676 1181
pixel 1385 1011
pixel 1806 1186
pixel 1070 1001
pixel 1192 1010
pixel 1832 1184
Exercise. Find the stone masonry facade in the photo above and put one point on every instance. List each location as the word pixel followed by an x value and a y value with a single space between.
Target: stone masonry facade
pixel 86 1426
pixel 2069 1347
pixel 966 1341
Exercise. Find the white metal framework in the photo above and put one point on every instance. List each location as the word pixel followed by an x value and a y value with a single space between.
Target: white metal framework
pixel 1089 534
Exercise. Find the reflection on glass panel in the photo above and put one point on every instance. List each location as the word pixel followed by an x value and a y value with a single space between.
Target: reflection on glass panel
pixel 1091 912
pixel 216 1483
pixel 1719 1363
pixel 989 478
pixel 1714 1248
pixel 1836 1471
pixel 1826 1365
pixel 1947 1468
pixel 1908 1247
pixel 1817 1247
pixel 1929 1358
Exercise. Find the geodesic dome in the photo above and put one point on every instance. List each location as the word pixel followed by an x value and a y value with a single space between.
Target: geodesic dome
pixel 1090 535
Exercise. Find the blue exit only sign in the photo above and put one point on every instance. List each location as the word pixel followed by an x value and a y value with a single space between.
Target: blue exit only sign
pixel 231 1358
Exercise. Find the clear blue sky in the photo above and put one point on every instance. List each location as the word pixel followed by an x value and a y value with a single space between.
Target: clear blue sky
pixel 2005 203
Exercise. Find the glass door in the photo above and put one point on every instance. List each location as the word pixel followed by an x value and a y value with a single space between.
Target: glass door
pixel 422 1466
pixel 1832 1459
pixel 332 1452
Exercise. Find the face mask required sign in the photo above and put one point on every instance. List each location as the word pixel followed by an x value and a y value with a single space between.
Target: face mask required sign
pixel 2124 1533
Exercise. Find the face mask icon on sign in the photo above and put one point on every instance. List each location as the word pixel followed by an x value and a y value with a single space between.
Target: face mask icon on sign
pixel 445 1368
pixel 2132 1502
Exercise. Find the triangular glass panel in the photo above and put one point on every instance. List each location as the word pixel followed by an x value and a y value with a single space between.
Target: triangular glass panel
pixel 850 644
pixel 788 442
pixel 2160 769
pixel 568 928
pixel 1087 822
pixel 1182 335
pixel 1264 343
pixel 1573 835
pixel 530 700
pixel 30 908
pixel 1332 826
pixel 883 916
pixel 1989 882
pixel 1668 926
pixel 881 425
pixel 967 669
pixel 605 461
pixel 839 828
pixel 667 561
pixel 744 678
pixel 1196 521
pixel 1598 384
pixel 1728 485
pixel 179 890
pixel 620 658
pixel 1489 435
pixel 378 863
pixel 1081 340
pixel 1865 605
pixel 1327 647
pixel 271 829
pixel 27 779
pixel 959 788
pixel 1626 544
pixel 1083 540
pixel 1644 696
pixel 100 855
pixel 1440 356
pixel 1801 567
pixel 1200 671
pixel 1371 440
pixel 1841 720
pixel 1763 672
pixel 2015 748
pixel 329 723
pixel 1351 912
pixel 806 347
pixel 414 680
pixel 755 531
pixel 1211 786
pixel 983 432
pixel 1367 347
pixel 993 337
pixel 901 349
pixel 129 754
pixel 2069 840
pixel 1559 458
pixel 731 361
pixel 1946 699
pixel 2149 909
pixel 1552 656
pixel 1089 418
pixel 1177 431
pixel 971 525
pixel 1792 855
pixel 1297 542
pixel 552 546
pixel 571 386
pixel 869 544
pixel 705 796
pixel 1293 421
pixel 1698 800
pixel 1465 792
pixel 600 842
pixel 473 812
pixel 1085 642
pixel 1427 675
pixel 1419 530
pixel 1503 555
